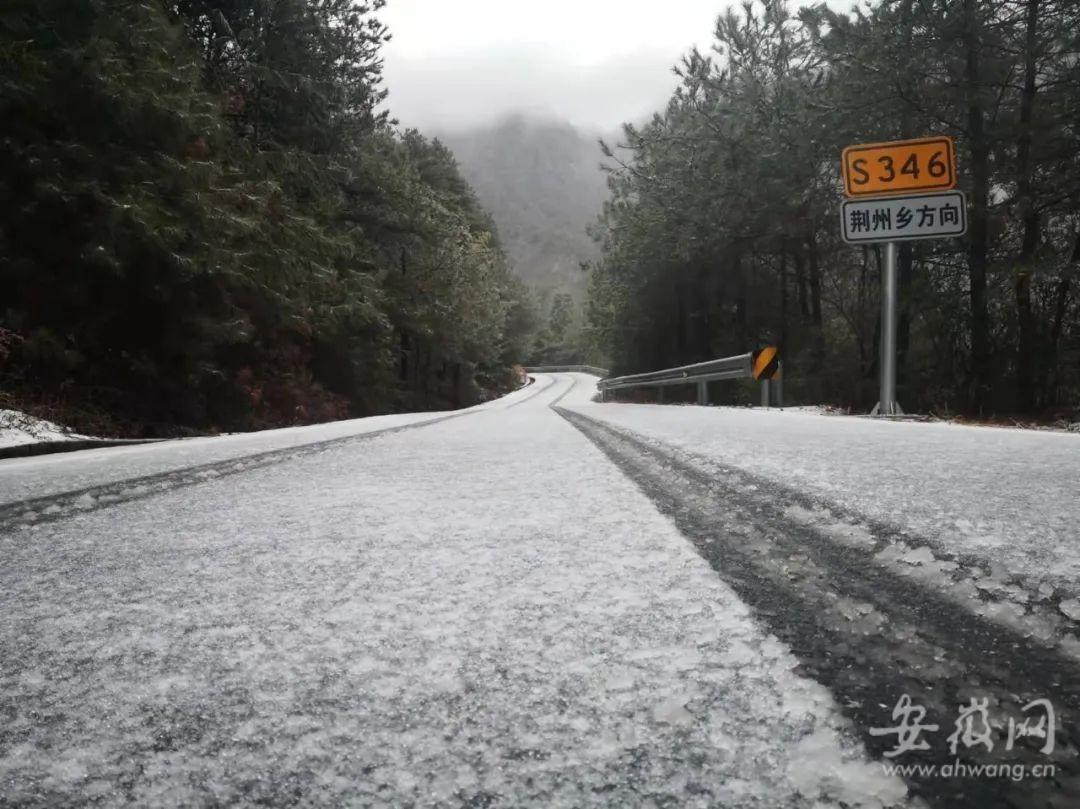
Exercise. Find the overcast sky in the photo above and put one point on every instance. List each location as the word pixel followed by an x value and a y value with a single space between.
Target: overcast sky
pixel 595 63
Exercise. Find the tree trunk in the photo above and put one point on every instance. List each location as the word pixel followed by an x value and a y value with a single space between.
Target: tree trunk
pixel 405 343
pixel 455 396
pixel 875 354
pixel 861 306
pixel 978 231
pixel 426 377
pixel 800 282
pixel 1061 304
pixel 702 314
pixel 740 296
pixel 1026 355
pixel 815 282
pixel 818 336
pixel 403 367
pixel 783 303
pixel 680 322
pixel 905 255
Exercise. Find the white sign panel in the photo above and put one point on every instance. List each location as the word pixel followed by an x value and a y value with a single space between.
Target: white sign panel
pixel 898 219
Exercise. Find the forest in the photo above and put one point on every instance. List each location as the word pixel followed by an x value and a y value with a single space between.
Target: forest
pixel 723 233
pixel 210 223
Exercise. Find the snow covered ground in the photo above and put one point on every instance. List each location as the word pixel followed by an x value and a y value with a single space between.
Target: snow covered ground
pixel 42 476
pixel 45 475
pixel 477 612
pixel 1007 497
pixel 17 429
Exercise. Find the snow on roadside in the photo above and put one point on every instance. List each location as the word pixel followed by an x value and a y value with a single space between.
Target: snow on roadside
pixel 1002 502
pixel 42 476
pixel 18 429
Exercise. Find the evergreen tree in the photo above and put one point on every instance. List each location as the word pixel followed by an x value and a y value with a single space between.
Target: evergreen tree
pixel 721 231
pixel 212 226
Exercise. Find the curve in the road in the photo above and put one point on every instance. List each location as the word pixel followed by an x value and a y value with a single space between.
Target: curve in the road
pixel 533 395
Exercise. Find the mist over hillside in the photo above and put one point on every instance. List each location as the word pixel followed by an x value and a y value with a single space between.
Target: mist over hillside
pixel 541 180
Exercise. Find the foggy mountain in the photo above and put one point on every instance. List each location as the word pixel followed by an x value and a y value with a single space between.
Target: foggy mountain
pixel 541 180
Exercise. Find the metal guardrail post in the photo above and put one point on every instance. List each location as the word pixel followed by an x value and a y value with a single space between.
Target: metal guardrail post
pixel 772 390
pixel 702 393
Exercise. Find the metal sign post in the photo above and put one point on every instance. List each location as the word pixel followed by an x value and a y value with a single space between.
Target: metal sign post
pixel 887 404
pixel 765 368
pixel 892 220
pixel 888 173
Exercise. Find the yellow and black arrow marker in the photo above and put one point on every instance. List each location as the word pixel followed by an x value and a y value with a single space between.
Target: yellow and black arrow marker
pixel 766 364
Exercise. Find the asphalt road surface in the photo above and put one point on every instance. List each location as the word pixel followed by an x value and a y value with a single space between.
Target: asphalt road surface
pixel 537 602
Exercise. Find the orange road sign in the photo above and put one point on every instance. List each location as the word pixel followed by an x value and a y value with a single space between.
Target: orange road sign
pixel 766 364
pixel 899 167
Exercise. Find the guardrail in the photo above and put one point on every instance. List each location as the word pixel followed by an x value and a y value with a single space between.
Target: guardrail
pixel 556 369
pixel 700 374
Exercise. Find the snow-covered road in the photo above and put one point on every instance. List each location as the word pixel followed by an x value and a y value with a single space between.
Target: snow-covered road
pixel 504 607
pixel 1010 497
pixel 989 517
pixel 481 611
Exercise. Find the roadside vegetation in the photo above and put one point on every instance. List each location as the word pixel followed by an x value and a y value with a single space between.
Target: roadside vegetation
pixel 723 230
pixel 209 224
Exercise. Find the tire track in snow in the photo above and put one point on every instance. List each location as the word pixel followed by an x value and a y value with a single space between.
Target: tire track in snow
pixel 565 393
pixel 866 633
pixel 531 396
